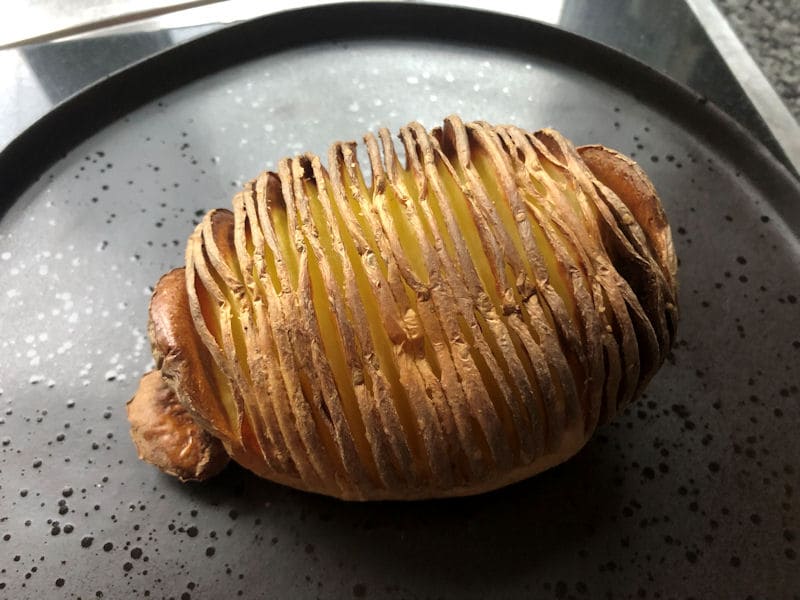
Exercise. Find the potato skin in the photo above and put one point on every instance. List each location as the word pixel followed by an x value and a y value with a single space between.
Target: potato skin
pixel 167 436
pixel 458 323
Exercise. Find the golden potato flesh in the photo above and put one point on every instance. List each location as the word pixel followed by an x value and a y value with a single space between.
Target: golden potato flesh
pixel 442 326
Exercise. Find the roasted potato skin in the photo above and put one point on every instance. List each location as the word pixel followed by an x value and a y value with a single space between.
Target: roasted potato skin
pixel 450 325
pixel 167 436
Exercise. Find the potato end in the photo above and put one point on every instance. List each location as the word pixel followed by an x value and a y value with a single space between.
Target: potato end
pixel 167 436
pixel 629 181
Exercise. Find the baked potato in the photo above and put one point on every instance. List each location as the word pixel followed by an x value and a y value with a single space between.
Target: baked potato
pixel 461 319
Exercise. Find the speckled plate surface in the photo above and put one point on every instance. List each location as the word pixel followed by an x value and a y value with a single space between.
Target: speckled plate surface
pixel 690 493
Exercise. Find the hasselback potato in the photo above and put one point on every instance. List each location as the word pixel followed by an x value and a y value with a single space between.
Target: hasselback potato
pixel 452 322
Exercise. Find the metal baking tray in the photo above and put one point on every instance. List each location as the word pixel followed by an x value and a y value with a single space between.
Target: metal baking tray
pixel 691 493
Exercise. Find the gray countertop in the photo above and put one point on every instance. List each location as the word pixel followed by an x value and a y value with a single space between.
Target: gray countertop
pixel 770 30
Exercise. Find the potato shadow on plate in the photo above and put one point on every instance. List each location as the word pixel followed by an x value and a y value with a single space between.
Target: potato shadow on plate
pixel 497 535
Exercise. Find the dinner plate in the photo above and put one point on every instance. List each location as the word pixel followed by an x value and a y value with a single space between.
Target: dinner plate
pixel 689 493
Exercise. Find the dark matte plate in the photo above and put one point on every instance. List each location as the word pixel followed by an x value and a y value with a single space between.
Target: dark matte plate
pixel 690 493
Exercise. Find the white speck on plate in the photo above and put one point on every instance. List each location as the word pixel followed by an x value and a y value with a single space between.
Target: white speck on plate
pixel 412 80
pixel 5 255
pixel 353 107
